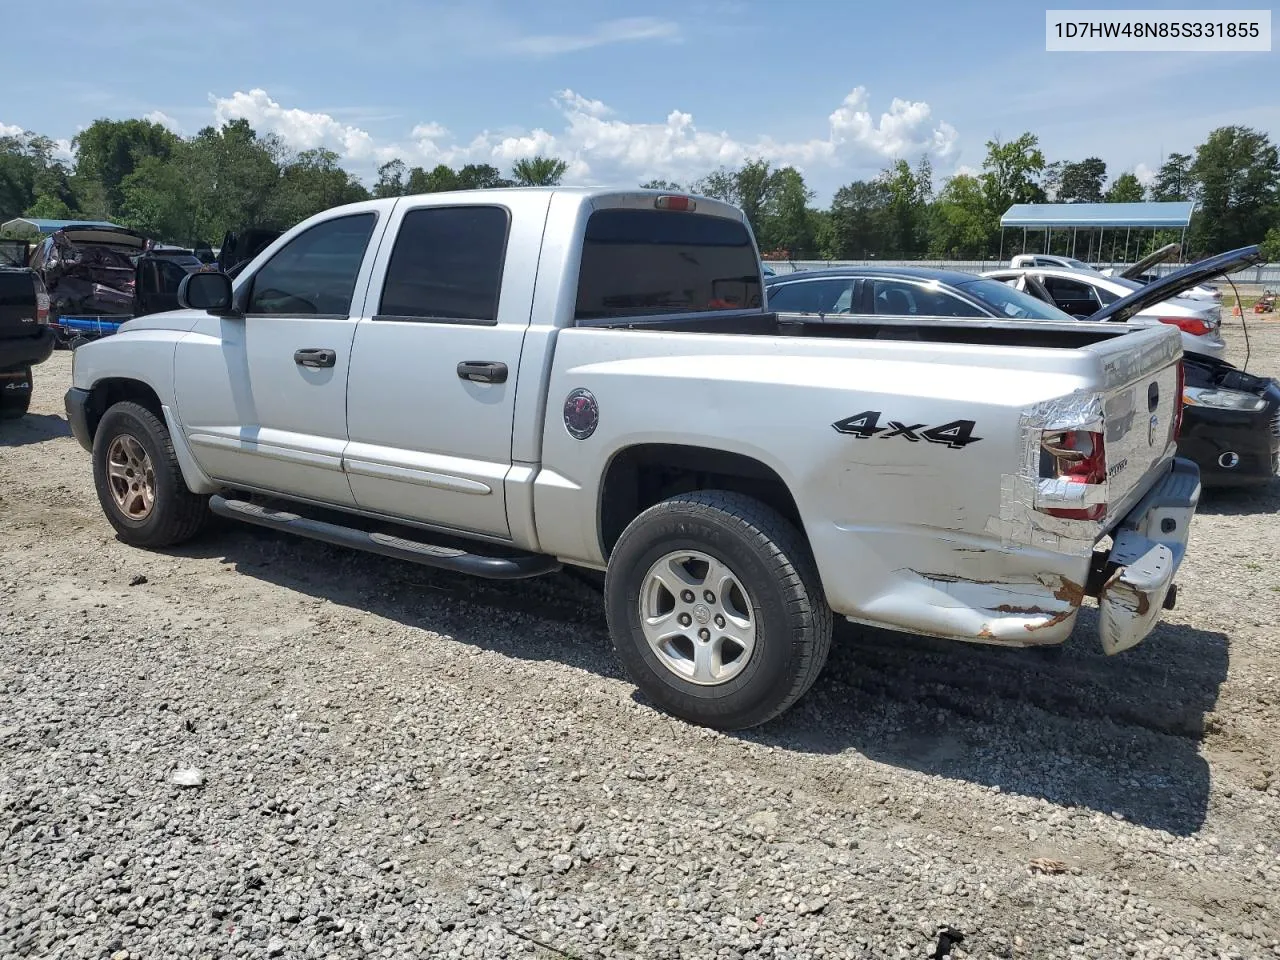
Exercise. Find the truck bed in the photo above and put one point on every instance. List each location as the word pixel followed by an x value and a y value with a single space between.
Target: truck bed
pixel 1009 333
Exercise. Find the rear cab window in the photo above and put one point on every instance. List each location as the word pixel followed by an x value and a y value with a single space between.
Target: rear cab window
pixel 638 263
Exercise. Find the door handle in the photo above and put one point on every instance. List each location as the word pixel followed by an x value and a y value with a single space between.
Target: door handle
pixel 313 357
pixel 483 371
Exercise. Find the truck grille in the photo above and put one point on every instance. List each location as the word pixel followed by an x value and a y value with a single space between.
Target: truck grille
pixel 1275 424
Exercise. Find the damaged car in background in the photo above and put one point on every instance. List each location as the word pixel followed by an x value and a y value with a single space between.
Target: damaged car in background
pixel 98 276
pixel 1231 424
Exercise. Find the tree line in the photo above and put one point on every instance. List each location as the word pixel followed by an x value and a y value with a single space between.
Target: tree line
pixel 191 190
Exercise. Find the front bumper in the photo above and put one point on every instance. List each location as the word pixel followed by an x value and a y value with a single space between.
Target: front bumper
pixel 1233 448
pixel 1148 546
pixel 20 352
pixel 78 403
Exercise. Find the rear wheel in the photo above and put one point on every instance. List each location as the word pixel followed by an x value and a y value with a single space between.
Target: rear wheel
pixel 716 610
pixel 15 393
pixel 139 483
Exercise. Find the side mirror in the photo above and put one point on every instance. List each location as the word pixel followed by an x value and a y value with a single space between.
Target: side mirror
pixel 208 291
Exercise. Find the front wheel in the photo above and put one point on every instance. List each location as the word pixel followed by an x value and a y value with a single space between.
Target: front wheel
pixel 715 609
pixel 15 393
pixel 139 482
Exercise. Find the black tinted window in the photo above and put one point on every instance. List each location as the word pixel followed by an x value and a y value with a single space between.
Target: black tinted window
pixel 447 265
pixel 897 298
pixel 315 273
pixel 812 296
pixel 643 262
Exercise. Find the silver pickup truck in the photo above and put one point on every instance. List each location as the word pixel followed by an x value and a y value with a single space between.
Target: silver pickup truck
pixel 500 382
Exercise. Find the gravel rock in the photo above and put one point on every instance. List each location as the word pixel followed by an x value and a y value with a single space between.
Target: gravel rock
pixel 189 777
pixel 405 763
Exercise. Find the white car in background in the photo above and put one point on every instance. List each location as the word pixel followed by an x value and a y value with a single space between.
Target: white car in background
pixel 1082 293
pixel 1135 272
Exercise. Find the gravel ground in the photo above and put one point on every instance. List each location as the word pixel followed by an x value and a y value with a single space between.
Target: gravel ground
pixel 255 746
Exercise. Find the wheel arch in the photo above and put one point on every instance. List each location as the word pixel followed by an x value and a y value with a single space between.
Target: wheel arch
pixel 639 476
pixel 109 391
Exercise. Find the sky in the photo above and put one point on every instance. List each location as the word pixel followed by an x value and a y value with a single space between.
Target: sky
pixel 626 92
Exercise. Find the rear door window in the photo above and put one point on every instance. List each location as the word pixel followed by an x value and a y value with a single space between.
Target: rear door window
pixel 1072 296
pixel 314 274
pixel 812 296
pixel 900 298
pixel 638 263
pixel 446 266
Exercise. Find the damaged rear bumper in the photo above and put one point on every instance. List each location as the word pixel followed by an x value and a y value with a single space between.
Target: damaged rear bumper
pixel 1148 546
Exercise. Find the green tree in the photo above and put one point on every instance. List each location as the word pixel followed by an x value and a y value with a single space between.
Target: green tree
pixel 438 179
pixel 910 192
pixel 30 175
pixel 49 207
pixel 1125 189
pixel 233 175
pixel 861 220
pixel 159 200
pixel 538 171
pixel 787 223
pixel 1173 180
pixel 662 185
pixel 961 223
pixel 754 185
pixel 721 184
pixel 481 176
pixel 107 151
pixel 391 179
pixel 311 183
pixel 1082 182
pixel 1270 245
pixel 1011 173
pixel 1237 175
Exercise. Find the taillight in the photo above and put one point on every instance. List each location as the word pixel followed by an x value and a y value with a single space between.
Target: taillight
pixel 1192 325
pixel 42 307
pixel 1180 401
pixel 1076 457
pixel 669 202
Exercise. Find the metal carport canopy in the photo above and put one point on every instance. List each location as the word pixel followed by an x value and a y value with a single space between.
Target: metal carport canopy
pixel 1174 215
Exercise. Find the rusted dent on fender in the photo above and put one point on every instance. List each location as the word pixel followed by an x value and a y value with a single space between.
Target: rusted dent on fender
pixel 1019 610
pixel 1070 592
pixel 1054 618
pixel 1053 621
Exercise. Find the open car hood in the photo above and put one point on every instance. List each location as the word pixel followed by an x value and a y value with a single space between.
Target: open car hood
pixel 1150 260
pixel 1179 282
pixel 117 238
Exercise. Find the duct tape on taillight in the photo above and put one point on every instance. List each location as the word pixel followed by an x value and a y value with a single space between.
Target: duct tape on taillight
pixel 1021 520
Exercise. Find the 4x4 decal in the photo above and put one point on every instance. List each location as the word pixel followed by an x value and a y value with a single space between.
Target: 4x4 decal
pixel 956 434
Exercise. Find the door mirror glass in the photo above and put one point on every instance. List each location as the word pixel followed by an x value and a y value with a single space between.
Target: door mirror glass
pixel 206 291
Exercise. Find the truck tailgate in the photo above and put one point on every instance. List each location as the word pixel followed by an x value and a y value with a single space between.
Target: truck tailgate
pixel 17 304
pixel 1142 402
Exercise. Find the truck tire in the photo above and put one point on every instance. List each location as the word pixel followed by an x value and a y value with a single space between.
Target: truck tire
pixel 716 610
pixel 139 482
pixel 15 394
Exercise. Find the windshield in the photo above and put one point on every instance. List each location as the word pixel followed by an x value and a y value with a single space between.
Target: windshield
pixel 1011 304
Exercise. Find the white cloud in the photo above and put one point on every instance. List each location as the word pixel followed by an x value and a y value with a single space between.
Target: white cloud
pixel 597 143
pixel 166 121
pixel 964 170
pixel 625 30
pixel 300 129
pixel 9 130
pixel 1146 175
